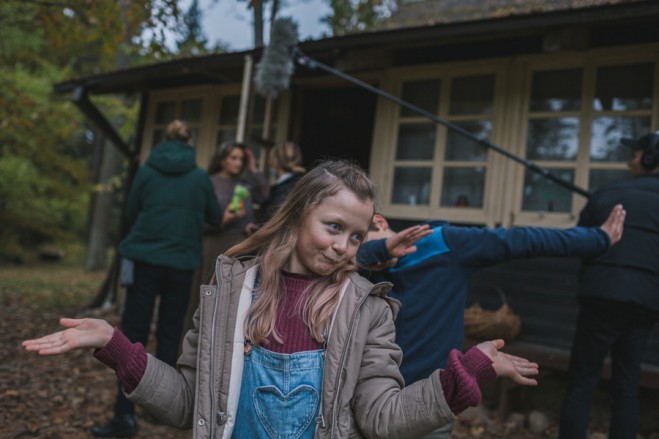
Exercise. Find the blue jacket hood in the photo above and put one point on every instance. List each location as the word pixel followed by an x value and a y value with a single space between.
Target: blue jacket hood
pixel 172 157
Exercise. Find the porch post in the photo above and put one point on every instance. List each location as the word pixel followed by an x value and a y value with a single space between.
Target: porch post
pixel 244 99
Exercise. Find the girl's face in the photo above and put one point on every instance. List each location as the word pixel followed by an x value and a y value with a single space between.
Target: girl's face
pixel 331 234
pixel 232 165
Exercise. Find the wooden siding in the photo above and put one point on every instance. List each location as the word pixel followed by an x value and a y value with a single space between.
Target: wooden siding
pixel 543 292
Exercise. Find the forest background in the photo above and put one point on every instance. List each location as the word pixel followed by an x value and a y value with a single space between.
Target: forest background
pixel 61 182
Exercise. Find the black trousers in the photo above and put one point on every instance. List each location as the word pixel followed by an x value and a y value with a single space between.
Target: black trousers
pixel 605 327
pixel 173 287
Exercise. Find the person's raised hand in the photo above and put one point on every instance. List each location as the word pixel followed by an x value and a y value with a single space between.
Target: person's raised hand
pixel 614 224
pixel 402 243
pixel 516 368
pixel 80 334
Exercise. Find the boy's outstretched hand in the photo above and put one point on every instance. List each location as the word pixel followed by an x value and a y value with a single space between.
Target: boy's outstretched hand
pixel 614 224
pixel 517 369
pixel 81 333
pixel 402 243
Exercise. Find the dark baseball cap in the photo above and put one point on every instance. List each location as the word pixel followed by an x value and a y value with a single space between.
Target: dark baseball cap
pixel 643 142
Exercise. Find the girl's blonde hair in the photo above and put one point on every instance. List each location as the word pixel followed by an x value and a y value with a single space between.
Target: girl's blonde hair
pixel 178 130
pixel 288 156
pixel 276 241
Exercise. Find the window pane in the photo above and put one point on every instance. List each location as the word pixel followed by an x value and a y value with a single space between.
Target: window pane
pixel 158 136
pixel 542 194
pixel 191 111
pixel 225 135
pixel 556 90
pixel 165 112
pixel 627 87
pixel 229 109
pixel 195 136
pixel 259 110
pixel 553 139
pixel 423 94
pixel 607 132
pixel 460 147
pixel 601 177
pixel 416 141
pixel 411 186
pixel 255 139
pixel 256 143
pixel 463 187
pixel 473 95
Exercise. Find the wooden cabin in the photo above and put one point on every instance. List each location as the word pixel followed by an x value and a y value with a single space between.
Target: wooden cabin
pixel 557 83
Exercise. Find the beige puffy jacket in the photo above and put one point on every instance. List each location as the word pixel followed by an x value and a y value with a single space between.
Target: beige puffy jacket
pixel 363 394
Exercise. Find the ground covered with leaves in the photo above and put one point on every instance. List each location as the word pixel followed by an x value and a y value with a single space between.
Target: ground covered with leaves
pixel 61 396
pixel 64 396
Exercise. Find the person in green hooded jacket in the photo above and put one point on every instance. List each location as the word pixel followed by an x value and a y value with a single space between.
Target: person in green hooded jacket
pixel 168 203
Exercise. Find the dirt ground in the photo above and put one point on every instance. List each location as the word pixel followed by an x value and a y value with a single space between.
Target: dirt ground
pixel 64 396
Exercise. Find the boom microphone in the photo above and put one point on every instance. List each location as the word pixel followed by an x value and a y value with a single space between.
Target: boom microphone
pixel 276 67
pixel 274 70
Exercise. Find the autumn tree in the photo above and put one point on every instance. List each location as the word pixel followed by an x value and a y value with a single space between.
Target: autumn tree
pixel 353 16
pixel 192 40
pixel 45 153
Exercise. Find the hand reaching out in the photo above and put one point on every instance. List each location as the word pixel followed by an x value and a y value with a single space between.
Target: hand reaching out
pixel 402 243
pixel 80 333
pixel 516 368
pixel 614 224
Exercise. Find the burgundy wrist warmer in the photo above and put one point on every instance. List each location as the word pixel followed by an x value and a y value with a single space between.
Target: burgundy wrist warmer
pixel 463 376
pixel 126 358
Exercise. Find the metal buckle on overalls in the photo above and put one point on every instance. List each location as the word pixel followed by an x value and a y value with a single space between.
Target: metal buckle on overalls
pixel 247 349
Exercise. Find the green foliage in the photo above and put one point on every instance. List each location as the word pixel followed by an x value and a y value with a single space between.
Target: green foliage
pixel 44 175
pixel 45 141
pixel 353 16
pixel 192 40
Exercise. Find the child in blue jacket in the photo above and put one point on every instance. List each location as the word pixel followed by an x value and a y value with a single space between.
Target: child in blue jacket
pixel 431 277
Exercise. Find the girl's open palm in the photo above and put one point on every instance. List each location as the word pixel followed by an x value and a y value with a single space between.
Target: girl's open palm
pixel 80 333
pixel 516 368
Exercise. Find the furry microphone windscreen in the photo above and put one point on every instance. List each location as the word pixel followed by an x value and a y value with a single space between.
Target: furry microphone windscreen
pixel 274 70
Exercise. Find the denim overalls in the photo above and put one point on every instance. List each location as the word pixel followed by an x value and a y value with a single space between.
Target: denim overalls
pixel 280 393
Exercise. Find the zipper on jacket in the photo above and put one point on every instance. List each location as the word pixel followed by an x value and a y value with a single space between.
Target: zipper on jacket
pixel 344 354
pixel 220 417
pixel 212 354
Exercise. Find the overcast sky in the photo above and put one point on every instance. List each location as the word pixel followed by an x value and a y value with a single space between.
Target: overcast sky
pixel 231 22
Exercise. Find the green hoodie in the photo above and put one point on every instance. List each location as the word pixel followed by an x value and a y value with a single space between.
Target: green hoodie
pixel 167 205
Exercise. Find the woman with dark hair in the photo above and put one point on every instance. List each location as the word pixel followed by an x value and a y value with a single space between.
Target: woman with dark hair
pixel 232 165
pixel 234 174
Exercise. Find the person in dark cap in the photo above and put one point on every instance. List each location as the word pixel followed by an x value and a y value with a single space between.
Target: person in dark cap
pixel 618 298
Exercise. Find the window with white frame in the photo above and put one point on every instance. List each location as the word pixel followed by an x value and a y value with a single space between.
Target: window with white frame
pixel 567 116
pixel 212 114
pixel 227 122
pixel 436 170
pixel 575 120
pixel 167 110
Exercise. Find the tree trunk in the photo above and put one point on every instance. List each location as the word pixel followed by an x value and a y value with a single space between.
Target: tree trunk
pixel 101 211
pixel 258 23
